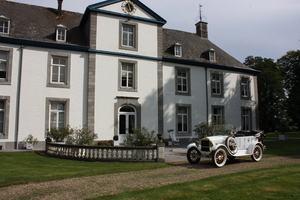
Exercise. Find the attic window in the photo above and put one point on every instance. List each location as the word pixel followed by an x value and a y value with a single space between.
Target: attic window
pixel 61 33
pixel 4 25
pixel 177 50
pixel 212 55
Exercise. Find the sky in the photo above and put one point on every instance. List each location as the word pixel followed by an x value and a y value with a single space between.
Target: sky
pixel 265 28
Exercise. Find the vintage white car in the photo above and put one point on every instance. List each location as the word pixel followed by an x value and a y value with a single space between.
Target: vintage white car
pixel 228 145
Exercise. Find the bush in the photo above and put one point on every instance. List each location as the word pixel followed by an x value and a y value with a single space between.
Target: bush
pixel 59 134
pixel 140 137
pixel 81 136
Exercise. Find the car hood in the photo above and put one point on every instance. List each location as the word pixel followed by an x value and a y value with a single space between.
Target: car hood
pixel 219 139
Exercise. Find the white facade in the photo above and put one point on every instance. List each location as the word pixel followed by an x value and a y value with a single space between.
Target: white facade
pixel 121 79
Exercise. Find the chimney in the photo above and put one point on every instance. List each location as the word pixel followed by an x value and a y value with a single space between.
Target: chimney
pixel 59 10
pixel 201 29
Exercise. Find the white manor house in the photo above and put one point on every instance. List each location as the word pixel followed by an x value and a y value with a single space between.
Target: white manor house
pixel 114 68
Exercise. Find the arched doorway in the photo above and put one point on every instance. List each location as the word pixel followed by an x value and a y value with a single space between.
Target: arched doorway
pixel 127 121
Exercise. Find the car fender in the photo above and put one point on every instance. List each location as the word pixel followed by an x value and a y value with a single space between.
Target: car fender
pixel 251 147
pixel 215 147
pixel 194 145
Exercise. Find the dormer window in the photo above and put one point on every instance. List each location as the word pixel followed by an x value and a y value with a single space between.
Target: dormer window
pixel 212 55
pixel 61 33
pixel 177 50
pixel 4 25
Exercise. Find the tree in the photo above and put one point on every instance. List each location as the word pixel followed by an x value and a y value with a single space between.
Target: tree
pixel 272 99
pixel 290 66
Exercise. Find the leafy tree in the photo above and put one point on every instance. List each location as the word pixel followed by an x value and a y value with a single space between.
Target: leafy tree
pixel 272 99
pixel 290 66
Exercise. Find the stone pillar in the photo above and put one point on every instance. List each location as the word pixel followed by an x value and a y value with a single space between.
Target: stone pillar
pixel 160 152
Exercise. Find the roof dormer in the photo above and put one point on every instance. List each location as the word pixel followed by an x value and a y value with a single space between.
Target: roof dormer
pixel 4 25
pixel 61 33
pixel 212 55
pixel 177 50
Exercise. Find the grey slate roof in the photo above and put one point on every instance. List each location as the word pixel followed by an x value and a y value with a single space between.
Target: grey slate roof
pixel 36 23
pixel 30 22
pixel 195 48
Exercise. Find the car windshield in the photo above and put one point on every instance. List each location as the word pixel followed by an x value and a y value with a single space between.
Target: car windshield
pixel 224 129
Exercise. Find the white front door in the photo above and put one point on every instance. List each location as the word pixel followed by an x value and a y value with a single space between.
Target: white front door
pixel 127 121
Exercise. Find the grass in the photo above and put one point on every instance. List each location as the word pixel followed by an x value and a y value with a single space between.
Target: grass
pixel 290 134
pixel 289 147
pixel 271 183
pixel 25 167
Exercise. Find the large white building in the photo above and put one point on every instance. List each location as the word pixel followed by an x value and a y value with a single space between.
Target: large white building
pixel 113 68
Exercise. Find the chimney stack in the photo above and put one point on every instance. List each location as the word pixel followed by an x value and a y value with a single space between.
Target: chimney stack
pixel 59 10
pixel 201 29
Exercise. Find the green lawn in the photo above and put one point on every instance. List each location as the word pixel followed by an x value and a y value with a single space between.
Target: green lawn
pixel 271 183
pixel 25 167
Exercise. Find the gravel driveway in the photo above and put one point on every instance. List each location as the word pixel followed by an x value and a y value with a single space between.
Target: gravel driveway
pixel 94 186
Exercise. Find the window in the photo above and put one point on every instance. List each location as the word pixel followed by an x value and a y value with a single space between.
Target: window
pixel 59 70
pixel 4 25
pixel 212 55
pixel 217 84
pixel 61 33
pixel 128 36
pixel 128 75
pixel 57 112
pixel 182 81
pixel 5 65
pixel 218 114
pixel 183 119
pixel 178 50
pixel 246 119
pixel 4 112
pixel 245 88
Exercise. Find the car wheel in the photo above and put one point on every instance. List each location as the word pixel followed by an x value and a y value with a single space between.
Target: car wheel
pixel 231 145
pixel 193 155
pixel 219 157
pixel 257 153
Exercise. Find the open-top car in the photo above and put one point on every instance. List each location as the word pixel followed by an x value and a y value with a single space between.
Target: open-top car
pixel 226 144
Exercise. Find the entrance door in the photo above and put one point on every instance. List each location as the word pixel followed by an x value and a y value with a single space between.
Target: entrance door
pixel 127 121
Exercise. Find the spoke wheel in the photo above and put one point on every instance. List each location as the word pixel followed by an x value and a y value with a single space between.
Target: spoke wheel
pixel 219 157
pixel 257 153
pixel 193 155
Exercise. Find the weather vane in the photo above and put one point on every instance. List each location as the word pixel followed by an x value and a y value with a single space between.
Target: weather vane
pixel 200 6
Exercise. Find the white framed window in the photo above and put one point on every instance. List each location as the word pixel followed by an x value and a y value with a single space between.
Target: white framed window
pixel 182 81
pixel 218 114
pixel 59 70
pixel 128 75
pixel 57 112
pixel 57 115
pixel 128 36
pixel 217 84
pixel 212 55
pixel 183 119
pixel 4 25
pixel 245 88
pixel 61 33
pixel 246 119
pixel 5 65
pixel 178 50
pixel 4 116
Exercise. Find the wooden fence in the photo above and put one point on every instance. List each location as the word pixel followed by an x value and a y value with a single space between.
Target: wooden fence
pixel 108 154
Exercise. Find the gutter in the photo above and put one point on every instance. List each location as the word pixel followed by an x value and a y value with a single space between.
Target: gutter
pixel 18 97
